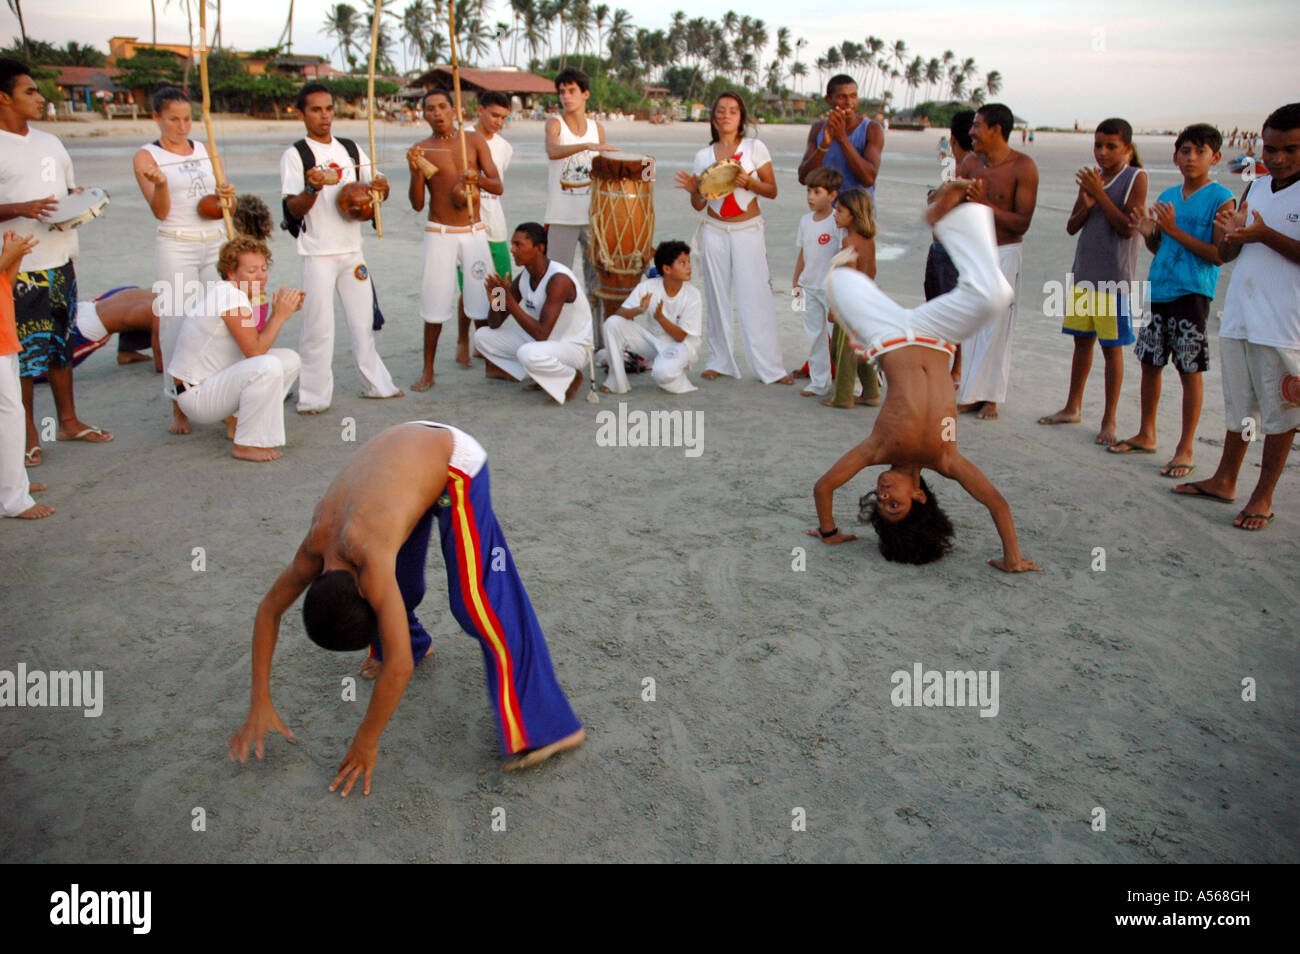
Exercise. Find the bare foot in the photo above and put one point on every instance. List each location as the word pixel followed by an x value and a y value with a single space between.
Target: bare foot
pixel 604 389
pixel 132 357
pixel 370 668
pixel 462 354
pixel 801 373
pixel 830 402
pixel 989 412
pixel 1063 416
pixel 1208 490
pixel 1106 436
pixel 867 401
pixel 1131 446
pixel 384 397
pixel 36 512
pixel 807 393
pixel 231 423
pixel 948 197
pixel 710 375
pixel 573 389
pixel 423 384
pixel 536 756
pixel 180 423
pixel 257 454
pixel 785 380
pixel 968 408
pixel 36 488
pixel 313 413
pixel 496 373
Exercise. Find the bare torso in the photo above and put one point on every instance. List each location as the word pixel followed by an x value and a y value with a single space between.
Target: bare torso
pixel 1001 182
pixel 917 424
pixel 447 204
pixel 371 507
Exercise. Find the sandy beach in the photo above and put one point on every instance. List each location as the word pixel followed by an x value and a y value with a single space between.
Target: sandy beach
pixel 771 655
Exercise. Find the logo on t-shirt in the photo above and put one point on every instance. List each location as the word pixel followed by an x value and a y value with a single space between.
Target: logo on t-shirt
pixel 824 239
pixel 360 273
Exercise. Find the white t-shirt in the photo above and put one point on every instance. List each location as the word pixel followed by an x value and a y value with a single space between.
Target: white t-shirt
pixel 1262 305
pixel 685 310
pixel 205 345
pixel 574 323
pixel 326 232
pixel 33 167
pixel 568 180
pixel 189 178
pixel 819 241
pixel 494 216
pixel 753 155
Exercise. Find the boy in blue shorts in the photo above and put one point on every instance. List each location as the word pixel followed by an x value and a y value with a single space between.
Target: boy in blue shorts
pixel 1180 230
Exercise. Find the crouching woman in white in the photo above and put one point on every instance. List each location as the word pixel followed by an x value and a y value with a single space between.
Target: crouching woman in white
pixel 224 364
pixel 675 315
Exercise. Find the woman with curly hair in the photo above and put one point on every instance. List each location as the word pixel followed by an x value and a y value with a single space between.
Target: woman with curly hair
pixel 225 365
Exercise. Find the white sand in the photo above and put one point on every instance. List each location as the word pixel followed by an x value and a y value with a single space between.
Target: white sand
pixel 1119 690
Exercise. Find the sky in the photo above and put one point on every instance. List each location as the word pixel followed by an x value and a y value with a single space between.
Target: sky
pixel 1061 60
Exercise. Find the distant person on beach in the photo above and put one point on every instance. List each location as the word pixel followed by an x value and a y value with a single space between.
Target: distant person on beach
pixel 844 141
pixel 818 238
pixel 362 565
pixel 1182 232
pixel 1259 335
pixel 571 140
pixel 917 427
pixel 1099 301
pixel 673 332
pixel 1007 182
pixel 551 331
pixel 855 215
pixel 940 272
pixel 15 488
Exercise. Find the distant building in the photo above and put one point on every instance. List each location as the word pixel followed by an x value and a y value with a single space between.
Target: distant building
pixel 125 47
pixel 88 88
pixel 518 84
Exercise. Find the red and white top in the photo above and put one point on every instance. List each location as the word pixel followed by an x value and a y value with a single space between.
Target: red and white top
pixel 752 156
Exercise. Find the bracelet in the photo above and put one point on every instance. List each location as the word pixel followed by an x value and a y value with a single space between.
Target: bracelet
pixel 827 534
pixel 310 190
pixel 823 148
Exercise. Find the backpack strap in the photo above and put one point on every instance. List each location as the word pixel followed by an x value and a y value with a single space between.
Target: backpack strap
pixel 354 153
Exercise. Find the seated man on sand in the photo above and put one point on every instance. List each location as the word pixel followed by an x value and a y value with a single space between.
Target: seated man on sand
pixel 551 336
pixel 362 565
pixel 224 364
pixel 675 318
pixel 916 427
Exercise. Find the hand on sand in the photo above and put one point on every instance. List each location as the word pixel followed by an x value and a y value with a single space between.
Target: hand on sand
pixel 260 720
pixel 838 537
pixel 1017 564
pixel 370 668
pixel 358 763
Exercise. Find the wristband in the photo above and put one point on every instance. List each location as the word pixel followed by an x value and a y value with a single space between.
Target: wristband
pixel 310 190
pixel 827 534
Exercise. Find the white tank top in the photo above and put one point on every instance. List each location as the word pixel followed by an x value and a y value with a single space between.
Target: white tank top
pixel 467 454
pixel 574 323
pixel 568 180
pixel 189 178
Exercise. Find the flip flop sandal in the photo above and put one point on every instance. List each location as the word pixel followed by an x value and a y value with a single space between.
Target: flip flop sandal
pixel 1266 517
pixel 1200 493
pixel 1132 449
pixel 32 458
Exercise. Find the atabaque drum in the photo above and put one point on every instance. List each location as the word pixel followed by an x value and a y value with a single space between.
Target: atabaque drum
pixel 622 223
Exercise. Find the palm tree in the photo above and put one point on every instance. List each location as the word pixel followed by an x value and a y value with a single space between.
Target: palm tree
pixel 16 6
pixel 958 84
pixel 874 45
pixel 730 22
pixel 977 97
pixel 580 25
pixel 286 35
pixel 798 71
pixel 915 71
pixel 599 14
pixel 153 18
pixel 417 26
pixel 993 82
pixel 533 29
pixel 968 69
pixel 933 74
pixel 822 67
pixel 341 23
pixel 189 27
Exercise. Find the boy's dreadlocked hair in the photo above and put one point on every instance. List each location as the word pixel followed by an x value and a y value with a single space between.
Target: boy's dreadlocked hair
pixel 252 217
pixel 923 536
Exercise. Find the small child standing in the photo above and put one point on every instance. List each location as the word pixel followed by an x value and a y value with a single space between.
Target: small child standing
pixel 15 490
pixel 854 214
pixel 818 239
pixel 1182 233
pixel 1099 300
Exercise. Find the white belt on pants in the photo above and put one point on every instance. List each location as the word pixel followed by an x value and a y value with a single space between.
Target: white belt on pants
pixel 454 229
pixel 188 235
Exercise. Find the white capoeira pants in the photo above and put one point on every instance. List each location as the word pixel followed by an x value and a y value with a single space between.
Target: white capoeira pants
pixel 986 355
pixel 879 324
pixel 254 390
pixel 670 360
pixel 443 251
pixel 552 364
pixel 186 270
pixel 735 270
pixel 322 275
pixel 15 491
pixel 816 327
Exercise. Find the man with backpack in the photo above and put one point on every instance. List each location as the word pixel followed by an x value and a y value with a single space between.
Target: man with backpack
pixel 312 171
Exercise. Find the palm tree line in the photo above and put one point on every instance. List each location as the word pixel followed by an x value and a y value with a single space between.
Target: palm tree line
pixel 874 61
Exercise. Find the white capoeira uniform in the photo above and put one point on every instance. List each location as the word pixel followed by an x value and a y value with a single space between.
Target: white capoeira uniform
pixel 878 324
pixel 445 248
pixel 819 241
pixel 986 356
pixel 332 260
pixel 671 358
pixel 568 201
pixel 734 256
pixel 218 380
pixel 186 247
pixel 15 489
pixel 552 363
